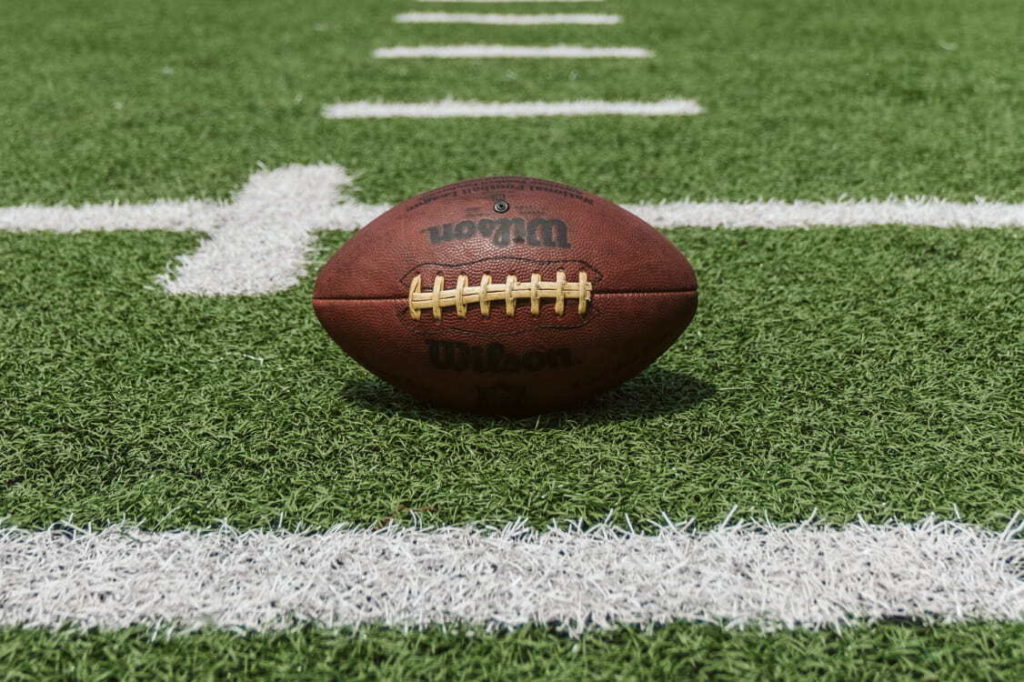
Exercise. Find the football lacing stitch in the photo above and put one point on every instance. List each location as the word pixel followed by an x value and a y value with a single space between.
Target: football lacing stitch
pixel 489 291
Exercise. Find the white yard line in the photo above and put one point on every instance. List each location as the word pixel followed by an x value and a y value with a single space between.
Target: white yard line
pixel 264 239
pixel 506 19
pixel 510 51
pixel 471 109
pixel 774 213
pixel 761 575
pixel 259 242
pixel 166 215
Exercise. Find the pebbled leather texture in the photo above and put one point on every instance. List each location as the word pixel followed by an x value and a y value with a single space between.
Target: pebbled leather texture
pixel 644 295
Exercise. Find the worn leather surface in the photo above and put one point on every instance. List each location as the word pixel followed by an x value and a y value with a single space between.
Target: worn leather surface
pixel 644 295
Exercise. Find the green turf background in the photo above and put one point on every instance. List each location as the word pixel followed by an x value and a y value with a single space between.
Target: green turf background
pixel 829 372
pixel 805 98
pixel 873 372
pixel 891 651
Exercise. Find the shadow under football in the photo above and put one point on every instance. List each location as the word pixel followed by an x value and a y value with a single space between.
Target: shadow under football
pixel 654 392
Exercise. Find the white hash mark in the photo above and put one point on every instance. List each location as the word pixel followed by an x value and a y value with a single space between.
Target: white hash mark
pixel 510 52
pixel 470 109
pixel 507 19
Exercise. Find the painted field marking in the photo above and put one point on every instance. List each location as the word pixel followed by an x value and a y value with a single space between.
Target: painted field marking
pixel 265 235
pixel 167 215
pixel 510 51
pixel 778 214
pixel 800 576
pixel 259 242
pixel 470 109
pixel 506 19
pixel 256 244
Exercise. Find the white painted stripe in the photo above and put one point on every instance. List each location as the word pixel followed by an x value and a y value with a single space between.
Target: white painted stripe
pixel 773 214
pixel 167 215
pixel 507 19
pixel 259 242
pixel 208 216
pixel 510 51
pixel 470 109
pixel 264 241
pixel 175 216
pixel 800 576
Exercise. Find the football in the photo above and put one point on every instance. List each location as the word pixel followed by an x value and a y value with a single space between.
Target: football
pixel 507 295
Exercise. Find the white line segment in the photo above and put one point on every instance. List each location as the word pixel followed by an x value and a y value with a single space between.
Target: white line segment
pixel 264 240
pixel 740 574
pixel 471 109
pixel 507 19
pixel 774 214
pixel 166 215
pixel 259 242
pixel 510 51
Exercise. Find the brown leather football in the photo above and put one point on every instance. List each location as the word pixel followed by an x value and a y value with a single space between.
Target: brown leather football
pixel 506 295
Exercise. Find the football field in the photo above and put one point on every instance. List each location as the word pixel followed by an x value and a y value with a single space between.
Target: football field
pixel 823 478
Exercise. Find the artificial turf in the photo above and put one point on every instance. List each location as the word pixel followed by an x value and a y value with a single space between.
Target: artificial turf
pixel 888 651
pixel 872 372
pixel 805 99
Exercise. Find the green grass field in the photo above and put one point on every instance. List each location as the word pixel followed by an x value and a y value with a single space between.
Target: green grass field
pixel 699 652
pixel 805 99
pixel 837 373
pixel 847 372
